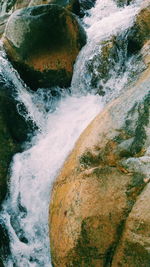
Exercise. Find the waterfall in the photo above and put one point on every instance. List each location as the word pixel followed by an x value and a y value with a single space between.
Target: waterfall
pixel 59 124
pixel 106 20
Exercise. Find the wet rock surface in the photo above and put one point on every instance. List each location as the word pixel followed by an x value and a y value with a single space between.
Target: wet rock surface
pixel 44 62
pixel 14 130
pixel 140 32
pixel 85 5
pixel 96 197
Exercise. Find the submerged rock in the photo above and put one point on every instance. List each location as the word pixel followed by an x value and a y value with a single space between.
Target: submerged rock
pixel 96 197
pixel 103 63
pixel 43 43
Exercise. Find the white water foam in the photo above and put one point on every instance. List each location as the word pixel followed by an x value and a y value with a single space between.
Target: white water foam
pixel 105 21
pixel 33 173
pixel 25 211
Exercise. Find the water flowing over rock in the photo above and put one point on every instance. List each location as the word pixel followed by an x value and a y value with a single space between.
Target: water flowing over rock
pixel 96 214
pixel 8 145
pixel 14 130
pixel 93 197
pixel 85 5
pixel 43 43
pixel 112 54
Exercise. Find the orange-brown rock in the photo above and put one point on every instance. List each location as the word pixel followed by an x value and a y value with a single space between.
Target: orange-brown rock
pixel 133 249
pixel 100 183
pixel 43 43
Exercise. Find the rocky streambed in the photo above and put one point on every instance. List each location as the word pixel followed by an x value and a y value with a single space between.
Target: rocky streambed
pixel 64 64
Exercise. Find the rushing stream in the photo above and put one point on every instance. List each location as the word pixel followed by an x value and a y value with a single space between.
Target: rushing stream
pixel 60 122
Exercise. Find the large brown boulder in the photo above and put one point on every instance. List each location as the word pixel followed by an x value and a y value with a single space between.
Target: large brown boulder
pixel 11 6
pixel 99 185
pixel 43 43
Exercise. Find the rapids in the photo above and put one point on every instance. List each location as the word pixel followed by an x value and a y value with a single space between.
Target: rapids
pixel 60 121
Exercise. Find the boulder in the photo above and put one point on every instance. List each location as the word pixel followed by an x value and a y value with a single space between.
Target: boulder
pixel 11 6
pixel 140 32
pixel 98 188
pixel 43 43
pixel 133 249
pixel 71 5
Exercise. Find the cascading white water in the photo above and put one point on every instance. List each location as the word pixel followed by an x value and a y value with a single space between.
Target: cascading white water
pixel 25 211
pixel 105 22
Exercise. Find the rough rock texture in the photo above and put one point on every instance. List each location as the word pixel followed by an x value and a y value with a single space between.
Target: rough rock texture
pixel 43 43
pixel 95 198
pixel 133 249
pixel 140 32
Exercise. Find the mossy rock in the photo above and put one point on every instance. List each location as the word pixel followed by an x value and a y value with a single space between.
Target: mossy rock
pixel 43 42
